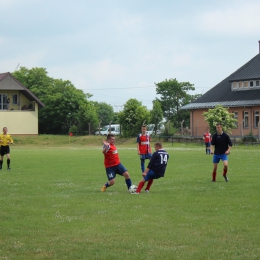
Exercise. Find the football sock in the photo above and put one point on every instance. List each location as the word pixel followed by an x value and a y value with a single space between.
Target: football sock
pixel 128 183
pixel 1 164
pixel 142 165
pixel 8 163
pixel 140 186
pixel 224 171
pixel 214 176
pixel 149 184
pixel 107 185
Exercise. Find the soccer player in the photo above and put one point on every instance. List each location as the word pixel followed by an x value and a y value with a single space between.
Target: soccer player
pixel 155 169
pixel 5 140
pixel 112 163
pixel 221 145
pixel 144 147
pixel 207 140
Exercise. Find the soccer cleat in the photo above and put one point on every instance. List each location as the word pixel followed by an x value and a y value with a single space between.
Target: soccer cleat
pixel 226 178
pixel 103 188
pixel 213 181
pixel 8 168
pixel 147 191
pixel 135 193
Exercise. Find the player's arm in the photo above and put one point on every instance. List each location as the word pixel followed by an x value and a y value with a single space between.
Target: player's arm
pixel 145 172
pixel 138 151
pixel 212 148
pixel 106 147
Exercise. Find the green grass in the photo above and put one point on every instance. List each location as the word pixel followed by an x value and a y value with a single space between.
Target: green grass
pixel 51 206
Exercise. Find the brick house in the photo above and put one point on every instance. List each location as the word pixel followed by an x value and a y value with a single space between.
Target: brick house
pixel 18 107
pixel 240 93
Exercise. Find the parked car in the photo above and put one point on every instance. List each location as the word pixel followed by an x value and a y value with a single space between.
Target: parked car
pixel 114 129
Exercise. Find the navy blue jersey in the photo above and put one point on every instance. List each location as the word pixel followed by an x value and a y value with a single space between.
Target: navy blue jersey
pixel 221 142
pixel 158 162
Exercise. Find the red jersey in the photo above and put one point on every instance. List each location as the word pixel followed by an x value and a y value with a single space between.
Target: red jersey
pixel 144 143
pixel 207 137
pixel 111 157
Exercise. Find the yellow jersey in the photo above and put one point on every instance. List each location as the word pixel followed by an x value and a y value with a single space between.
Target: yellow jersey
pixel 5 139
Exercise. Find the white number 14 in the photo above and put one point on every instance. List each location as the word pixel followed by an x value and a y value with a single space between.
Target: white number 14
pixel 164 158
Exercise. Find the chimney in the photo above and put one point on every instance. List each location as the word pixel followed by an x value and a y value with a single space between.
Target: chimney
pixel 259 46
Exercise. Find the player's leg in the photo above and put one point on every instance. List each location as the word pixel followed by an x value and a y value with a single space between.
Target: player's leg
pixel 225 169
pixel 215 167
pixel 148 186
pixel 1 161
pixel 121 170
pixel 111 175
pixel 142 163
pixel 8 161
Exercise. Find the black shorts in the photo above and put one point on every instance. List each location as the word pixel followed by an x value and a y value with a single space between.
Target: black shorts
pixel 5 150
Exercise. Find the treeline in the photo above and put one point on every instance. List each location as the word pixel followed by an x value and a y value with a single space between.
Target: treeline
pixel 68 109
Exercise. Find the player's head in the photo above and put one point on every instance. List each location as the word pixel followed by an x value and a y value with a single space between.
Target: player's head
pixel 5 129
pixel 143 129
pixel 110 138
pixel 219 128
pixel 157 146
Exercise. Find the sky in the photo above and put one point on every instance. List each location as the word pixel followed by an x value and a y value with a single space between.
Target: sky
pixel 118 49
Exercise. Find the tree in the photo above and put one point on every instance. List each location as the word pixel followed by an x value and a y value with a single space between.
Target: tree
pixel 156 114
pixel 219 114
pixel 132 117
pixel 105 112
pixel 65 106
pixel 173 97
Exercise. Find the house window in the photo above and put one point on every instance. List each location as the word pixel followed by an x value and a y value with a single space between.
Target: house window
pixel 246 119
pixel 251 84
pixel 257 83
pixel 15 99
pixel 256 118
pixel 245 84
pixel 235 117
pixel 240 84
pixel 234 84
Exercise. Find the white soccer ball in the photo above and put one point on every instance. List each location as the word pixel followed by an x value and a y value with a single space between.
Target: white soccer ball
pixel 132 188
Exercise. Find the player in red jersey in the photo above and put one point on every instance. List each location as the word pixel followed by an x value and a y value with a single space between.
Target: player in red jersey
pixel 207 140
pixel 112 163
pixel 144 147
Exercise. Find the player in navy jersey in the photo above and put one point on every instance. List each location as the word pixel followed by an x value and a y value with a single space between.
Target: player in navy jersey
pixel 221 145
pixel 155 169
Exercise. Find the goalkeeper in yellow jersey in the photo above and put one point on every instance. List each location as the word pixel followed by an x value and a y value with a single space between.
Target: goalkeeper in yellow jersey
pixel 5 140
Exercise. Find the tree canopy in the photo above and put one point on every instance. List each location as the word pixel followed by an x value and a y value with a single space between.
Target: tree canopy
pixel 219 114
pixel 132 117
pixel 173 96
pixel 65 106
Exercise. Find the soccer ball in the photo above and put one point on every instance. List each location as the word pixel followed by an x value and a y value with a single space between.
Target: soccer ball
pixel 132 189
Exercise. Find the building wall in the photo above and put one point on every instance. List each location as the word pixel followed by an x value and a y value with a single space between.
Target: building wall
pixel 198 125
pixel 20 122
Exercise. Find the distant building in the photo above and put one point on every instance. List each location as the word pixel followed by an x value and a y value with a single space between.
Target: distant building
pixel 18 107
pixel 240 92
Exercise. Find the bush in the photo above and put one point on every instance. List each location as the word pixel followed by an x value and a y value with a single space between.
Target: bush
pixel 249 138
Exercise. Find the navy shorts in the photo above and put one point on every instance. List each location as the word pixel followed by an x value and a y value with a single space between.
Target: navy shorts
pixel 151 175
pixel 218 157
pixel 207 144
pixel 145 156
pixel 112 171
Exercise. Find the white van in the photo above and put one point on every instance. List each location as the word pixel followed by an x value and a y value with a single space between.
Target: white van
pixel 114 129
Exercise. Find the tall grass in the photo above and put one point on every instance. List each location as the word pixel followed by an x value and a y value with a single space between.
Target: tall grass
pixel 51 206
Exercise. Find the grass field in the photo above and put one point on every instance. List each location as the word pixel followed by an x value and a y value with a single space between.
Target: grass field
pixel 51 206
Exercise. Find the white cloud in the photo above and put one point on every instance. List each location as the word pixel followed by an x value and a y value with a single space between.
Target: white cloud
pixel 241 20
